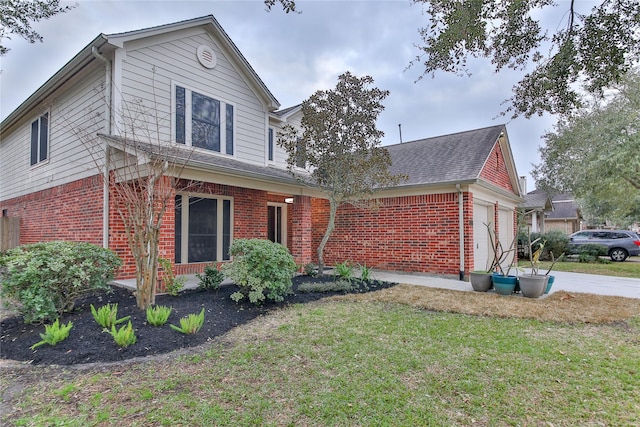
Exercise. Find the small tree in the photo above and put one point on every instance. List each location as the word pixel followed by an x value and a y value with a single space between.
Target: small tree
pixel 340 146
pixel 143 170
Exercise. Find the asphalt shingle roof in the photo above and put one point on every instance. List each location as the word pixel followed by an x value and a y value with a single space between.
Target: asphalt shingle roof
pixel 443 159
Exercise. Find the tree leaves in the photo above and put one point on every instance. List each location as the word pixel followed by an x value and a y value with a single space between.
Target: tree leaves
pixel 595 50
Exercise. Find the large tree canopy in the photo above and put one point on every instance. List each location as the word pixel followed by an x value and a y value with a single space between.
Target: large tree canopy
pixel 595 155
pixel 16 17
pixel 589 52
pixel 340 144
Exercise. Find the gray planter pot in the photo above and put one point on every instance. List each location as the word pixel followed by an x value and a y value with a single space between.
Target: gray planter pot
pixel 480 282
pixel 533 286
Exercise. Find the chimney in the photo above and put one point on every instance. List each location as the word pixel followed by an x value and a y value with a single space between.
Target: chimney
pixel 523 184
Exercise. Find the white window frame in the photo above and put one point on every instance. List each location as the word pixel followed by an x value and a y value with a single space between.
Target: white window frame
pixel 184 241
pixel 284 208
pixel 39 121
pixel 188 122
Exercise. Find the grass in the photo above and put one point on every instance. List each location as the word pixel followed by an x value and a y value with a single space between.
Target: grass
pixel 606 268
pixel 383 358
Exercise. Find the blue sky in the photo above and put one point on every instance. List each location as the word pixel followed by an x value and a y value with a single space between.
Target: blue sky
pixel 297 54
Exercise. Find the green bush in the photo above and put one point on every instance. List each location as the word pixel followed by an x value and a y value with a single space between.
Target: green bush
pixel 262 269
pixel 125 336
pixel 45 279
pixel 210 279
pixel 590 252
pixel 554 241
pixel 172 284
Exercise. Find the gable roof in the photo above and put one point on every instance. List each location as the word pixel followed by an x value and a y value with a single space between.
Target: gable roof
pixel 538 200
pixel 117 40
pixel 564 207
pixel 454 158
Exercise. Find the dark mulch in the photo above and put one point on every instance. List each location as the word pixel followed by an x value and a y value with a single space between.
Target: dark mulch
pixel 87 343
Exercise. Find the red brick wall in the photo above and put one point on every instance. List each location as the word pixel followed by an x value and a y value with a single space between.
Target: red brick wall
pixel 495 169
pixel 71 211
pixel 412 234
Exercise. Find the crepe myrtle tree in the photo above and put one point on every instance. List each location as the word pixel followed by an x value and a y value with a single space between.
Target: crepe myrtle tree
pixel 142 170
pixel 16 17
pixel 339 146
pixel 595 155
pixel 584 54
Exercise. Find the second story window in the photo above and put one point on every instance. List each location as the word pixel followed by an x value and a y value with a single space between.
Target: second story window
pixel 203 122
pixel 270 146
pixel 40 139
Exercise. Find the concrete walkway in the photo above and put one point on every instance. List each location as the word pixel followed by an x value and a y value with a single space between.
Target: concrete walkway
pixel 570 282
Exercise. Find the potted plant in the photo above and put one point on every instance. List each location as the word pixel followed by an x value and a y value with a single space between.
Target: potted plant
pixel 533 285
pixel 480 280
pixel 503 282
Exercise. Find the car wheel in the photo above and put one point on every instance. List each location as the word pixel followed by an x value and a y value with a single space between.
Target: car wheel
pixel 618 254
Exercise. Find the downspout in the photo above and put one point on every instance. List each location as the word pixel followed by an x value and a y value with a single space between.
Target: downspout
pixel 461 229
pixel 107 118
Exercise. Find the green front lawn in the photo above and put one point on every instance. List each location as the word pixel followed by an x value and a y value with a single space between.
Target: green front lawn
pixel 620 269
pixel 345 363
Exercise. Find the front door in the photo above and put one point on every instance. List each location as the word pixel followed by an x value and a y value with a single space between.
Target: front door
pixel 277 226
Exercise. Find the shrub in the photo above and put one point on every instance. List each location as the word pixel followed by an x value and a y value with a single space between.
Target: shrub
pixel 125 336
pixel 107 315
pixel 158 316
pixel 172 284
pixel 344 271
pixel 210 279
pixel 556 242
pixel 334 286
pixel 590 252
pixel 190 324
pixel 53 334
pixel 45 279
pixel 262 269
pixel 310 269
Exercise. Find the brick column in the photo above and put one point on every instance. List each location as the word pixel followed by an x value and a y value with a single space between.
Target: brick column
pixel 301 233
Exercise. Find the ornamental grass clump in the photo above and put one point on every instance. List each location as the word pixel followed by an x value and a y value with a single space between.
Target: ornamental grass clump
pixel 190 324
pixel 158 315
pixel 54 333
pixel 125 336
pixel 107 315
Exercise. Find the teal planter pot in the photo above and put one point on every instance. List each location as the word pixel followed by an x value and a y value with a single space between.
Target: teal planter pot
pixel 504 285
pixel 549 284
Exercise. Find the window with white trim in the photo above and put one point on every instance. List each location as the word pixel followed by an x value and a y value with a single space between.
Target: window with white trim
pixel 204 122
pixel 202 228
pixel 40 139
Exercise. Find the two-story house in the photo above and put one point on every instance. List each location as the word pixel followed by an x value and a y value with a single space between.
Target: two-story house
pixel 186 85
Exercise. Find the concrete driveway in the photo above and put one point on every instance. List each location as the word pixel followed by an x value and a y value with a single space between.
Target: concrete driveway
pixel 564 281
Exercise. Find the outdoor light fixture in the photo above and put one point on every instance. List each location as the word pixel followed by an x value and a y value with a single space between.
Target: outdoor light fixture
pixel 288 200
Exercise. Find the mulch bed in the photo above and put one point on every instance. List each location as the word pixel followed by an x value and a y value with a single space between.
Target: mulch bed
pixel 88 343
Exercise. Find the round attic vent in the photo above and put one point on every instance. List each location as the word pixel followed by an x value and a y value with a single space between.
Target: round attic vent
pixel 206 56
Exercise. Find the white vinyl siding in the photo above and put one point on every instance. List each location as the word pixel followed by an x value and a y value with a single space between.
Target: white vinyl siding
pixel 78 108
pixel 152 66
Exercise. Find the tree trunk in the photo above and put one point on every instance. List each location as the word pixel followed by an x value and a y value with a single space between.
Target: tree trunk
pixel 333 208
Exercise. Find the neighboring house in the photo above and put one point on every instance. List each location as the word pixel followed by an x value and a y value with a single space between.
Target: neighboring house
pixel 557 213
pixel 535 208
pixel 187 84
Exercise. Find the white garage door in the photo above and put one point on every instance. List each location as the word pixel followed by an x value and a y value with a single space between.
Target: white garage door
pixel 505 218
pixel 482 254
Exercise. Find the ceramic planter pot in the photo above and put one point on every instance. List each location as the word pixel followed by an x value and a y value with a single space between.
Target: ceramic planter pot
pixel 533 286
pixel 549 284
pixel 480 282
pixel 504 285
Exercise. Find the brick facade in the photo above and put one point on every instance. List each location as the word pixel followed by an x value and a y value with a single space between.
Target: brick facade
pixel 71 211
pixel 412 233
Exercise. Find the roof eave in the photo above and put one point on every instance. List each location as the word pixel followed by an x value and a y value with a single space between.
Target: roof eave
pixel 77 63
